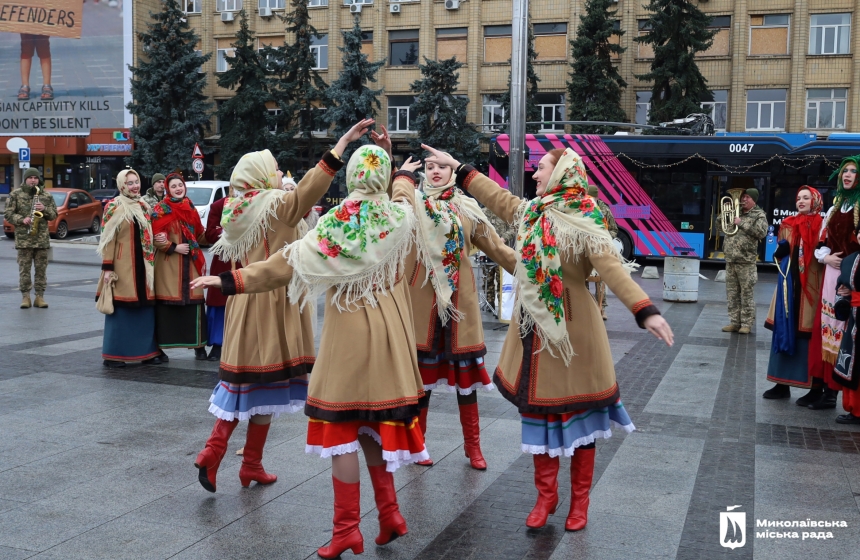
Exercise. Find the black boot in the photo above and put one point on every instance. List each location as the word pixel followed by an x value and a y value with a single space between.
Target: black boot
pixel 215 353
pixel 778 391
pixel 164 357
pixel 812 396
pixel 200 353
pixel 848 418
pixel 827 400
pixel 114 364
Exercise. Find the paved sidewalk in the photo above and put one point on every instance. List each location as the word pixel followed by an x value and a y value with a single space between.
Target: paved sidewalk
pixel 97 464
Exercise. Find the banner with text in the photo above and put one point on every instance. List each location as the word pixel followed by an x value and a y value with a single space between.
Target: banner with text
pixel 52 18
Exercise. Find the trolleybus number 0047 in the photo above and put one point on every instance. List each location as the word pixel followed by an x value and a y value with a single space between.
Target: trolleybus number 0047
pixel 737 148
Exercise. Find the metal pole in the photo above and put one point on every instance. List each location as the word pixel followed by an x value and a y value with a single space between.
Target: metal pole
pixel 517 129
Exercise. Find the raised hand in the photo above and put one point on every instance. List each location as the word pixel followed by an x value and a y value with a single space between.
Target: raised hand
pixel 439 158
pixel 358 130
pixel 382 140
pixel 410 165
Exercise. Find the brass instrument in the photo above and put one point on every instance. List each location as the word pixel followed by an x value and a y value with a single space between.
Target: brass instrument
pixel 730 208
pixel 35 215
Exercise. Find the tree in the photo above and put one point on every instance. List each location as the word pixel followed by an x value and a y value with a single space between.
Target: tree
pixel 296 87
pixel 244 117
pixel 440 115
pixel 594 89
pixel 349 99
pixel 533 113
pixel 677 30
pixel 171 111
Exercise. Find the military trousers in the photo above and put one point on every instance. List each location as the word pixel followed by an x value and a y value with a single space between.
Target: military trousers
pixel 27 259
pixel 740 293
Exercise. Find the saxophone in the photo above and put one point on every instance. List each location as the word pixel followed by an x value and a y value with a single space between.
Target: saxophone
pixel 35 215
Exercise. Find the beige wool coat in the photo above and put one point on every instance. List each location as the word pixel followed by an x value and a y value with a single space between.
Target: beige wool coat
pixel 175 271
pixel 367 367
pixel 124 256
pixel 542 383
pixel 266 339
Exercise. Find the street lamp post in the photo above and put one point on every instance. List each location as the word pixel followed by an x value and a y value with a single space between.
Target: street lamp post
pixel 517 129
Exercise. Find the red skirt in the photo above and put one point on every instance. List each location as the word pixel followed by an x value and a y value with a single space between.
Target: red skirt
pixel 463 376
pixel 401 440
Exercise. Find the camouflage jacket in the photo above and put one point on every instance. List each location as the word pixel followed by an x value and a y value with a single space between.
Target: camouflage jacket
pixel 743 246
pixel 20 206
pixel 611 225
pixel 151 198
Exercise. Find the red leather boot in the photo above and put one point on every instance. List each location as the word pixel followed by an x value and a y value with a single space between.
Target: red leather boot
pixel 347 515
pixel 391 523
pixel 422 423
pixel 472 435
pixel 252 458
pixel 581 474
pixel 209 459
pixel 546 482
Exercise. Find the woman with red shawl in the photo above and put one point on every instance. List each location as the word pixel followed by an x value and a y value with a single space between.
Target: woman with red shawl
pixel 180 321
pixel 793 308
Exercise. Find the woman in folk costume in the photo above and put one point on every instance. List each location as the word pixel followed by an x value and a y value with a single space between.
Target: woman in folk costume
pixel 557 367
pixel 795 301
pixel 847 371
pixel 128 257
pixel 836 242
pixel 180 319
pixel 268 345
pixel 448 327
pixel 366 388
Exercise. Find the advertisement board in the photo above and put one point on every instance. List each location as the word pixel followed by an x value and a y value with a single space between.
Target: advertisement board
pixel 63 66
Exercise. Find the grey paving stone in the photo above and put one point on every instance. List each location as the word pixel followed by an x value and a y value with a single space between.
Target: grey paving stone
pixel 15 553
pixel 39 527
pixel 689 388
pixel 250 546
pixel 630 536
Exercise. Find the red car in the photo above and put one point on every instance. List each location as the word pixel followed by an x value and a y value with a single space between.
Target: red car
pixel 76 210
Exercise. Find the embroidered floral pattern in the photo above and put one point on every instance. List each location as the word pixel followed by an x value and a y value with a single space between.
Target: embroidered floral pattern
pixel 354 224
pixel 452 250
pixel 145 232
pixel 371 165
pixel 234 207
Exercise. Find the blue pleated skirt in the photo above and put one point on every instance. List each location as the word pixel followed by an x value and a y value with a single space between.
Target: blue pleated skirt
pixel 557 434
pixel 215 324
pixel 130 335
pixel 240 401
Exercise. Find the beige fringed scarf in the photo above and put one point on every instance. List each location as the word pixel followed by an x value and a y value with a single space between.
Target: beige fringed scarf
pixel 247 215
pixel 563 223
pixel 359 245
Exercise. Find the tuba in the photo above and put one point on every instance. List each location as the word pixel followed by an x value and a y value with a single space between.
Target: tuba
pixel 35 215
pixel 730 208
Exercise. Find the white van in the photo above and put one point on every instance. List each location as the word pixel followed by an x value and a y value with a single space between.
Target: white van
pixel 204 193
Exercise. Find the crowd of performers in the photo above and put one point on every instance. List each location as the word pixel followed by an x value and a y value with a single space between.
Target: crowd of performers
pixel 392 261
pixel 813 314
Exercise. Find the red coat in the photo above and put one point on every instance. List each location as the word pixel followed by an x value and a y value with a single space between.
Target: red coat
pixel 214 298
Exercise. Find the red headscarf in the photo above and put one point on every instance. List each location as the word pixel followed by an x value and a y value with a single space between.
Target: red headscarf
pixel 804 234
pixel 177 215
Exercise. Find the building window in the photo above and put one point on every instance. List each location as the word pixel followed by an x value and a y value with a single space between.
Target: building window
pixel 550 41
pixel 769 34
pixel 643 106
pixel 192 6
pixel 825 108
pixel 552 110
pixel 403 47
pixel 225 49
pixel 273 4
pixel 722 39
pixel 493 113
pixel 829 33
pixel 367 44
pixel 398 112
pixel 317 3
pixel 497 43
pixel 717 109
pixel 451 42
pixel 228 5
pixel 319 49
pixel 766 109
pixel 273 124
pixel 645 51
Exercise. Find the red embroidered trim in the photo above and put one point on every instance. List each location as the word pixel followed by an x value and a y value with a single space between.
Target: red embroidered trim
pixel 405 178
pixel 571 399
pixel 268 368
pixel 403 401
pixel 641 305
pixel 240 285
pixel 568 311
pixel 326 169
pixel 472 174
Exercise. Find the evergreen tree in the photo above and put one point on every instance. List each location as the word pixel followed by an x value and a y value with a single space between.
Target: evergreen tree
pixel 677 30
pixel 533 113
pixel 244 117
pixel 440 115
pixel 297 87
pixel 594 89
pixel 349 99
pixel 171 111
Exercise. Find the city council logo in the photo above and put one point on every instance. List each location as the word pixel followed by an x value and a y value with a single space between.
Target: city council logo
pixel 733 528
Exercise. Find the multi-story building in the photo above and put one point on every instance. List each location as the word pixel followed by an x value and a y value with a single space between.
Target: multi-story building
pixel 776 65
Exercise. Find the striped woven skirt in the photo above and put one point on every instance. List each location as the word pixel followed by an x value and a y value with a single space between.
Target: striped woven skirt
pixel 401 440
pixel 463 376
pixel 240 401
pixel 558 434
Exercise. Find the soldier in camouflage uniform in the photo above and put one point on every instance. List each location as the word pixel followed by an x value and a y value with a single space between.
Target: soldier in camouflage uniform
pixel 155 193
pixel 612 226
pixel 741 250
pixel 32 248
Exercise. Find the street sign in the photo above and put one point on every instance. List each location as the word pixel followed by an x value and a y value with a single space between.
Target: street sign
pixel 24 154
pixel 198 153
pixel 24 164
pixel 197 166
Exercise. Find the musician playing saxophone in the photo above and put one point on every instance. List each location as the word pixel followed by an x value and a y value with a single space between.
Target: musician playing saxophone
pixel 741 251
pixel 31 239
